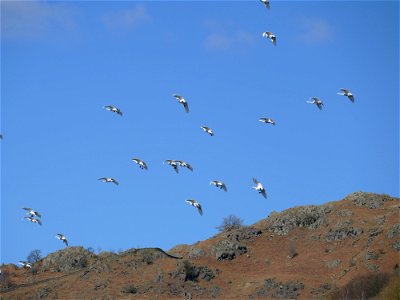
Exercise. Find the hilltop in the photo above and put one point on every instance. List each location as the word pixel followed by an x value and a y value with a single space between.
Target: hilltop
pixel 304 252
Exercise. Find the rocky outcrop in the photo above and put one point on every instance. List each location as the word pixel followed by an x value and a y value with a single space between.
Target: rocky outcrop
pixel 228 250
pixel 282 290
pixel 341 233
pixel 369 200
pixel 66 260
pixel 311 217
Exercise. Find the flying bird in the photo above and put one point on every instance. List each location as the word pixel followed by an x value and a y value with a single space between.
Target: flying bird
pixel 266 3
pixel 184 164
pixel 173 164
pixel 347 93
pixel 1 136
pixel 259 188
pixel 271 36
pixel 196 204
pixel 25 264
pixel 140 162
pixel 108 179
pixel 267 121
pixel 33 220
pixel 219 184
pixel 182 101
pixel 113 109
pixel 31 212
pixel 316 101
pixel 62 238
pixel 207 130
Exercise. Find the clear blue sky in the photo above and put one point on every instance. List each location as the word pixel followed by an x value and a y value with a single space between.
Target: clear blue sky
pixel 61 62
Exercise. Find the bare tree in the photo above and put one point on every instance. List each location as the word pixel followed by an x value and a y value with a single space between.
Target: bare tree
pixel 229 223
pixel 34 256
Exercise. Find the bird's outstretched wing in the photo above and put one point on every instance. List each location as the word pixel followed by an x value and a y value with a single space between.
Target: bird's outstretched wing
pixel 65 242
pixel 186 106
pixel 264 193
pixel 224 187
pixel 27 208
pixel 255 181
pixel 199 209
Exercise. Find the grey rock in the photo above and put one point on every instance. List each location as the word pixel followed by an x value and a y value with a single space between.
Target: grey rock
pixel 394 231
pixel 396 245
pixel 283 290
pixel 344 213
pixel 196 252
pixel 373 268
pixel 368 200
pixel 375 231
pixel 244 233
pixel 333 263
pixel 227 250
pixel 311 216
pixel 343 233
pixel 371 255
pixel 67 260
pixel 321 290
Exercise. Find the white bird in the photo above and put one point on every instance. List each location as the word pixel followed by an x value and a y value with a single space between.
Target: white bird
pixel 316 101
pixel 33 220
pixel 271 36
pixel 267 121
pixel 195 204
pixel 347 93
pixel 219 184
pixel 108 179
pixel 259 188
pixel 266 3
pixel 25 264
pixel 184 164
pixel 113 109
pixel 182 101
pixel 31 212
pixel 208 130
pixel 62 238
pixel 173 164
pixel 140 162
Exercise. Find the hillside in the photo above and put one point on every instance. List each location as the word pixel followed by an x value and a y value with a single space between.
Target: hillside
pixel 304 252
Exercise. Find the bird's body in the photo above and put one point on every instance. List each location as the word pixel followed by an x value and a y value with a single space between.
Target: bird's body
pixel 259 188
pixel 347 93
pixel 195 204
pixel 173 164
pixel 108 179
pixel 33 220
pixel 25 264
pixel 62 238
pixel 207 130
pixel 184 164
pixel 219 184
pixel 182 101
pixel 31 212
pixel 271 36
pixel 140 162
pixel 266 3
pixel 267 121
pixel 113 109
pixel 317 102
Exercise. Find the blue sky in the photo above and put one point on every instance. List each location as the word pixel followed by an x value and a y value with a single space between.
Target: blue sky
pixel 61 62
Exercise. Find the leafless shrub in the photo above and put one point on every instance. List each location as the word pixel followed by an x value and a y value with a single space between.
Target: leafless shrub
pixel 292 251
pixel 229 223
pixel 34 256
